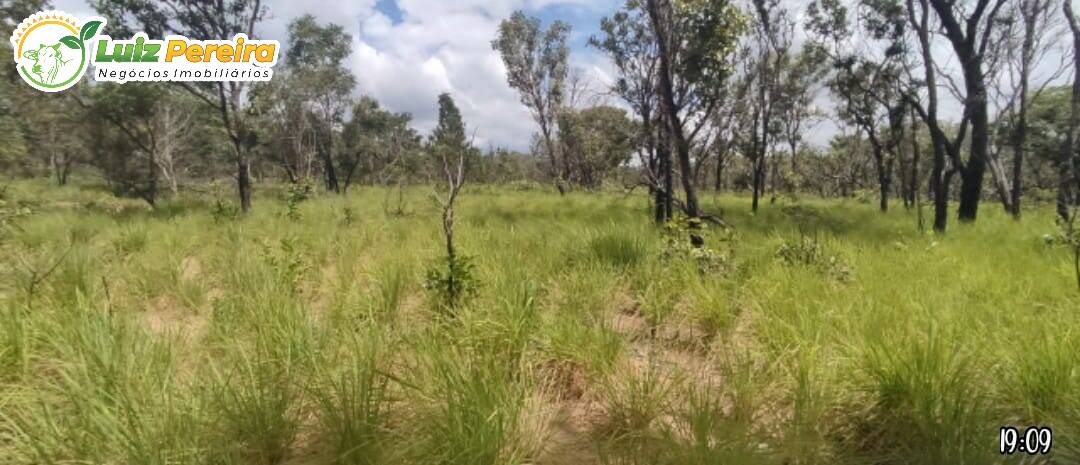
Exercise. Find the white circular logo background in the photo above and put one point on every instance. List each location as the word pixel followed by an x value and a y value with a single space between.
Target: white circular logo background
pixel 49 52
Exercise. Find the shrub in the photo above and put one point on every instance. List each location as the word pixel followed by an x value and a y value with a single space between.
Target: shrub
pixel 296 194
pixel 708 260
pixel 223 212
pixel 811 253
pixel 452 282
pixel 348 216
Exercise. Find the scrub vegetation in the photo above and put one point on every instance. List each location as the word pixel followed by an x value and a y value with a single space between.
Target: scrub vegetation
pixel 676 269
pixel 180 335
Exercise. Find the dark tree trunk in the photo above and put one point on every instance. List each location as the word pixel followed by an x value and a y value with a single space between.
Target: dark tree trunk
pixel 325 150
pixel 331 175
pixel 939 179
pixel 1020 140
pixel 758 181
pixel 720 160
pixel 678 140
pixel 975 169
pixel 243 180
pixel 884 173
pixel 549 144
pixel 968 50
pixel 349 175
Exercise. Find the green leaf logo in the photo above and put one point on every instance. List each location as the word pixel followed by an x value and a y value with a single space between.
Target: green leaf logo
pixel 89 30
pixel 72 42
pixel 53 52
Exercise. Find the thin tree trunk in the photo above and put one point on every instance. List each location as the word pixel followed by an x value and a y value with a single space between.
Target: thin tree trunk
pixel 758 181
pixel 1020 141
pixel 916 154
pixel 667 195
pixel 243 179
pixel 673 120
pixel 939 184
pixel 556 171
pixel 720 159
pixel 938 177
pixel 1068 164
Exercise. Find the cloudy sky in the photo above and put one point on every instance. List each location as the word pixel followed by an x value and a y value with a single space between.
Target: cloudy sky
pixel 406 52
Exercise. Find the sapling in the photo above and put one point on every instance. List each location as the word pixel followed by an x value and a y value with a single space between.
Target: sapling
pixel 454 283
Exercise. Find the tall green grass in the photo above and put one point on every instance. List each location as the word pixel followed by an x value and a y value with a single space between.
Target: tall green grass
pixel 830 334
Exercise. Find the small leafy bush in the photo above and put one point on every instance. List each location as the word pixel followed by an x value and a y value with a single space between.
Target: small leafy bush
pixel 348 216
pixel 1068 236
pixel 224 212
pixel 811 253
pixel 452 282
pixel 297 194
pixel 708 260
pixel 287 262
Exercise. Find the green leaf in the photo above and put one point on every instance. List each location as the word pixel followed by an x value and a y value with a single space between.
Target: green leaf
pixel 71 42
pixel 89 30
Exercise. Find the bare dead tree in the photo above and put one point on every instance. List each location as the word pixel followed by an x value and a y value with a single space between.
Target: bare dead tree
pixel 454 173
pixel 171 127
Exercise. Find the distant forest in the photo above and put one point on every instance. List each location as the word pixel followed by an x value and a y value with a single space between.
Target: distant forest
pixel 710 95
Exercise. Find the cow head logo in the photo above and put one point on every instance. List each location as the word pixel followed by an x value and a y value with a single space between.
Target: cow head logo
pixel 52 49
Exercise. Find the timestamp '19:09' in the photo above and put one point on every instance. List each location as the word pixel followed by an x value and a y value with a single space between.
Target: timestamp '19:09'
pixel 1032 441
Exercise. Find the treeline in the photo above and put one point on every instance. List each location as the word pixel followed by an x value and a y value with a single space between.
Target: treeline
pixel 709 94
pixel 150 140
pixel 734 89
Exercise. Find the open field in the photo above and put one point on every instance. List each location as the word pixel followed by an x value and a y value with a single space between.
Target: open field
pixel 821 332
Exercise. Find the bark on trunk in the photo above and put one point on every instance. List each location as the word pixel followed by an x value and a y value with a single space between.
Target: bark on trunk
pixel 967 49
pixel 1020 141
pixel 939 184
pixel 916 154
pixel 885 183
pixel 719 186
pixel 975 169
pixel 549 143
pixel 758 181
pixel 672 118
pixel 243 180
pixel 1068 164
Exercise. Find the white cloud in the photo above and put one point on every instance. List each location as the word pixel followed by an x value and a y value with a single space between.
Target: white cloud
pixel 438 46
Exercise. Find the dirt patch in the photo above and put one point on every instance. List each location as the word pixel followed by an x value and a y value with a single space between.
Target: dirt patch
pixel 570 441
pixel 630 325
pixel 164 316
pixel 190 269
